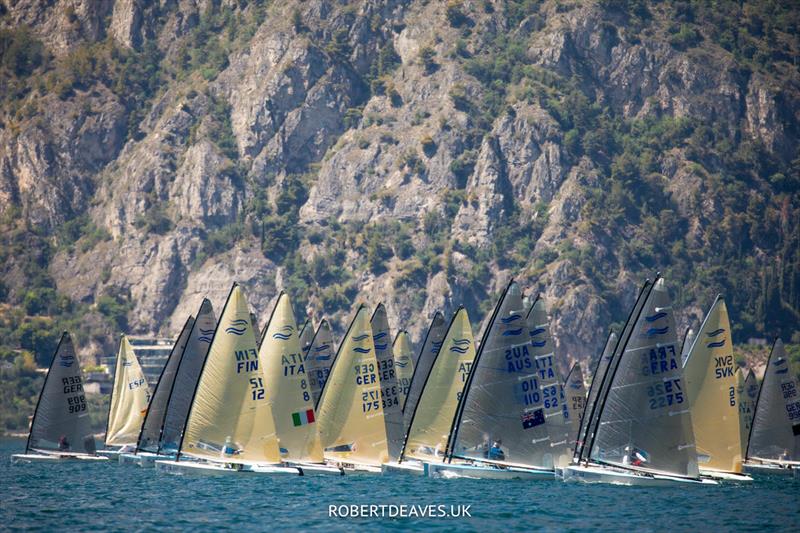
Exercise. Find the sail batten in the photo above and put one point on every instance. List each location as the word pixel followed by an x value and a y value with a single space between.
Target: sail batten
pixel 61 418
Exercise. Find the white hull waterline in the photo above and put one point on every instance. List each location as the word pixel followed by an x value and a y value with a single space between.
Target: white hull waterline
pixel 409 468
pixel 222 469
pixel 474 471
pixel 765 469
pixel 316 469
pixel 50 457
pixel 725 476
pixel 613 476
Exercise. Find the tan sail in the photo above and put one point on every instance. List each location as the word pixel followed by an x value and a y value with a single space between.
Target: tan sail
pixel 710 377
pixel 230 419
pixel 350 414
pixel 433 418
pixel 403 363
pixel 746 393
pixel 129 398
pixel 288 387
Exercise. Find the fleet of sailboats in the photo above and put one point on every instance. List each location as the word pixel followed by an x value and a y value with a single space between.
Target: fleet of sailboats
pixel 285 401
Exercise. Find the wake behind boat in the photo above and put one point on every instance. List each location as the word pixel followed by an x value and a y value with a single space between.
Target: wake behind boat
pixel 60 429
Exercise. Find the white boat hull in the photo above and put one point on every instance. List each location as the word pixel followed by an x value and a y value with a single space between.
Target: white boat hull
pixel 143 459
pixel 725 476
pixel 600 474
pixel 315 469
pixel 220 469
pixel 408 469
pixel 768 469
pixel 46 457
pixel 471 471
pixel 112 454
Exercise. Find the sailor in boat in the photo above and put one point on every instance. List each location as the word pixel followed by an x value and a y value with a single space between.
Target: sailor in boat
pixel 496 452
pixel 63 444
pixel 634 456
pixel 441 447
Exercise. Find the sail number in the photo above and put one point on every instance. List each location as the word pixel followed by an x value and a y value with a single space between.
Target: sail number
pixel 370 400
pixel 665 394
pixel 257 388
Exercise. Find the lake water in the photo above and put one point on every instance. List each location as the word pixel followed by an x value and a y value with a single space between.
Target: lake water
pixel 104 495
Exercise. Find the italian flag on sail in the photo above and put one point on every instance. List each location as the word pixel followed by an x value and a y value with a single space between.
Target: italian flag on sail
pixel 303 417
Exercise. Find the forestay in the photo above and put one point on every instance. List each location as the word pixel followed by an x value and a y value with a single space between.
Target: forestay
pixel 186 377
pixel 61 419
pixel 351 425
pixel 711 391
pixel 287 386
pixel 432 420
pixel 157 409
pixel 129 398
pixel 230 419
pixel 645 422
pixel 390 390
pixel 775 434
pixel 403 364
pixel 319 360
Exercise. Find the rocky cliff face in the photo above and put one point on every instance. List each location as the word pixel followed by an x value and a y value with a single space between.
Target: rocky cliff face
pixel 415 153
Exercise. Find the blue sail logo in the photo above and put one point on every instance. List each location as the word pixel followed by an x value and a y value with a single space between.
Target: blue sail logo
pixel 435 346
pixel 511 318
pixel 652 332
pixel 284 334
pixel 657 316
pixel 718 344
pixel 237 327
pixel 361 337
pixel 401 364
pixel 536 332
pixel 205 335
pixel 322 347
pixel 66 360
pixel 359 349
pixel 716 332
pixel 460 346
pixel 512 332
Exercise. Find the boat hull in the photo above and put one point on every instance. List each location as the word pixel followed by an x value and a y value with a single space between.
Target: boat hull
pixel 599 474
pixel 316 469
pixel 725 476
pixel 449 470
pixel 215 469
pixel 407 469
pixel 768 469
pixel 112 454
pixel 49 458
pixel 143 459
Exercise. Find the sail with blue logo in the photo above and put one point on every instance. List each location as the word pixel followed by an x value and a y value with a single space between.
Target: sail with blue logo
pixel 390 391
pixel 350 413
pixel 575 390
pixel 600 368
pixel 319 359
pixel 432 420
pixel 645 422
pixel 61 421
pixel 775 435
pixel 746 394
pixel 287 386
pixel 186 377
pixel 710 382
pixel 551 388
pixel 423 364
pixel 130 396
pixel 403 364
pixel 157 409
pixel 230 419
pixel 501 417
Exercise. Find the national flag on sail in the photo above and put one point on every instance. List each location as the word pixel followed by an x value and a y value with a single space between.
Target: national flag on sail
pixel 533 419
pixel 303 417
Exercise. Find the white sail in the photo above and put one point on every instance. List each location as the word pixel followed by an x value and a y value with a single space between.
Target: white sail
pixel 230 419
pixel 575 389
pixel 390 392
pixel 129 398
pixel 287 386
pixel 404 363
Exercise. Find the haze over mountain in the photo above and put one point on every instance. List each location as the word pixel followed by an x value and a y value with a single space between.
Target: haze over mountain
pixel 415 153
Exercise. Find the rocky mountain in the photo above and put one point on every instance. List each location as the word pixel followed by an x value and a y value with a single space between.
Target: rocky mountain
pixel 419 153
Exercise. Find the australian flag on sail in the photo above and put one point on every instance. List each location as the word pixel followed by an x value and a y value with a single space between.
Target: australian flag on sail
pixel 533 419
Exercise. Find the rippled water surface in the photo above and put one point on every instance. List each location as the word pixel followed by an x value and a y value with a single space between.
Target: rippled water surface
pixel 95 496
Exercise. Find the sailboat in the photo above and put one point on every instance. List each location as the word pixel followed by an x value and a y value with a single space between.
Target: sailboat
pixel 746 394
pixel 229 427
pixel 60 428
pixel 431 422
pixel 289 393
pixel 554 405
pixel 350 413
pixel 319 359
pixel 390 391
pixel 422 365
pixel 774 445
pixel 594 390
pixel 576 400
pixel 643 433
pixel 710 383
pixel 500 428
pixel 147 442
pixel 130 396
pixel 404 364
